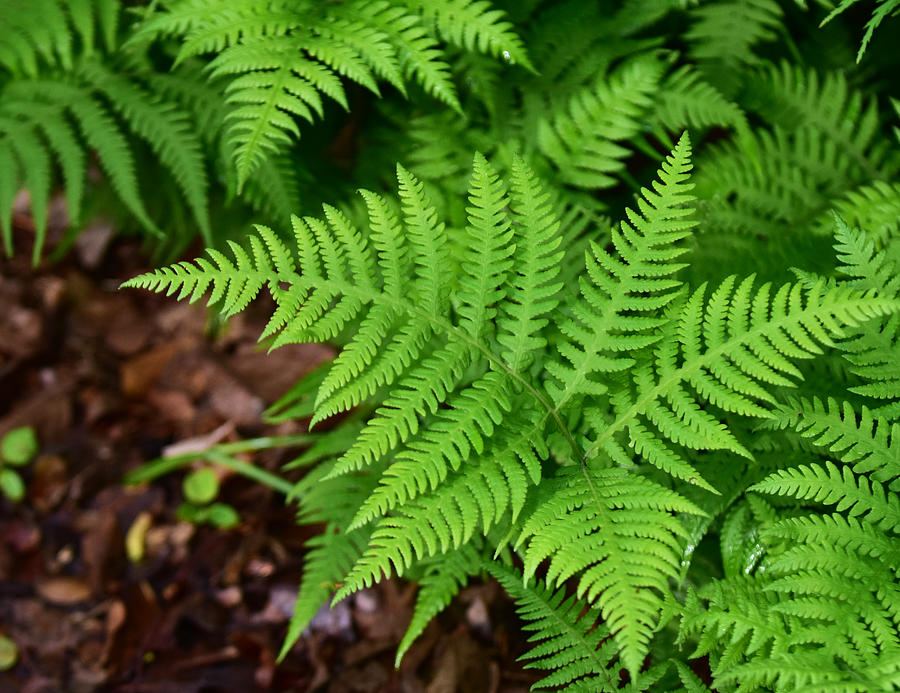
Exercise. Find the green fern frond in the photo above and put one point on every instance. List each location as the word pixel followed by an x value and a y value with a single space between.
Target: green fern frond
pixel 624 292
pixel 789 97
pixel 875 208
pixel 574 645
pixel 732 28
pixel 723 352
pixel 475 24
pixel 874 350
pixel 444 577
pixel 584 141
pixel 884 9
pixel 687 100
pixel 166 129
pixel 281 57
pixel 616 531
pixel 332 553
pixel 853 495
pixel 870 445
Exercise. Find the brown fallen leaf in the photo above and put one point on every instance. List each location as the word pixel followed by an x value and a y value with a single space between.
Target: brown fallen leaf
pixel 49 482
pixel 137 374
pixel 64 590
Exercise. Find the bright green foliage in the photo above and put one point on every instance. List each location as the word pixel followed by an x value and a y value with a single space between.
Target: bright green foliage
pixel 883 9
pixel 201 487
pixel 66 90
pixel 17 448
pixel 281 58
pixel 589 424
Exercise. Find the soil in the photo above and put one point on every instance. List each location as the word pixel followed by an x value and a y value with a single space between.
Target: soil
pixel 111 378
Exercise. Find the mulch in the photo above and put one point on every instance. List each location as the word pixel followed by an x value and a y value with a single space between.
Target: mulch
pixel 109 379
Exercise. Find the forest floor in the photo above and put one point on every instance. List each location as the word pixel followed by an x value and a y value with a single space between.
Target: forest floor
pixel 111 379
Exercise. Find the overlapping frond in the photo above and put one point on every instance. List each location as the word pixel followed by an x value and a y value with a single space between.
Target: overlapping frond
pixel 62 100
pixel 585 141
pixel 280 58
pixel 617 532
pixel 572 642
pixel 624 293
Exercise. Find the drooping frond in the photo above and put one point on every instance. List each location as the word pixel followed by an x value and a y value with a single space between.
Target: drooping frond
pixel 331 554
pixel 573 643
pixel 443 579
pixel 62 99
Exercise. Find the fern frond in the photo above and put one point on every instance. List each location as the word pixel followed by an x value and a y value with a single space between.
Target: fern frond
pixel 584 141
pixel 687 100
pixel 853 495
pixel 535 264
pixel 444 577
pixel 232 283
pixel 166 129
pixel 332 553
pixel 870 445
pixel 732 28
pixel 790 96
pixel 875 208
pixel 884 9
pixel 874 350
pixel 574 645
pixel 475 24
pixel 624 292
pixel 723 352
pixel 34 160
pixel 615 530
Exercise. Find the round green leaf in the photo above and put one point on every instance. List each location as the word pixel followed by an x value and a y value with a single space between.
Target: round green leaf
pixel 9 653
pixel 223 516
pixel 12 485
pixel 19 446
pixel 190 513
pixel 201 487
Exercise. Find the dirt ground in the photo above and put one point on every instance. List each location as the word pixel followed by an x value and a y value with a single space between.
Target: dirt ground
pixel 112 378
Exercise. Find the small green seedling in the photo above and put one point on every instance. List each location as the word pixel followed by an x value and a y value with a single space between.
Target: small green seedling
pixel 200 490
pixel 17 448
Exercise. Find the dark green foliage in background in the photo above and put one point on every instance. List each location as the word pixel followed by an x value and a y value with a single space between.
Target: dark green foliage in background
pixel 621 329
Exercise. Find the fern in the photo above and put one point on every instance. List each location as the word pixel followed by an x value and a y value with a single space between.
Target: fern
pixel 281 58
pixel 506 408
pixel 884 9
pixel 59 100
